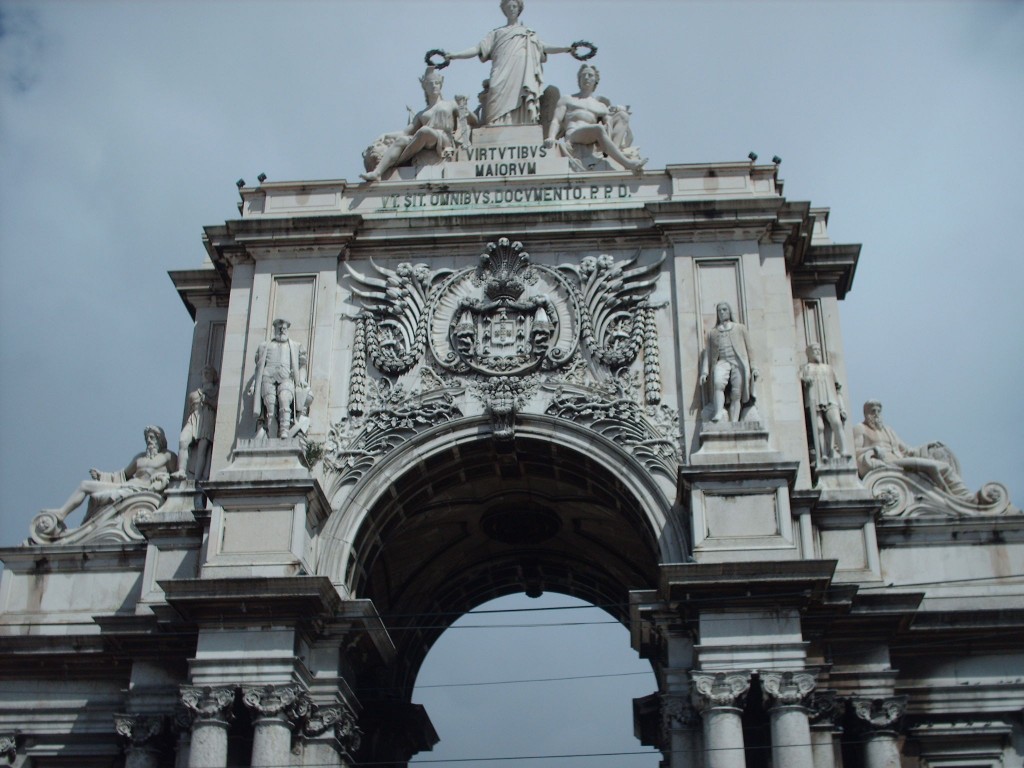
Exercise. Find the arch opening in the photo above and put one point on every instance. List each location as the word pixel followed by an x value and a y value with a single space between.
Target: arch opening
pixel 474 521
pixel 505 682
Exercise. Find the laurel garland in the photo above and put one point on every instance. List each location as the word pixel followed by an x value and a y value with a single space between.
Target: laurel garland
pixel 652 358
pixel 357 385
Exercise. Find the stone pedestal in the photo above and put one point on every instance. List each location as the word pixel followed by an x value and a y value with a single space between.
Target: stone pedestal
pixel 267 510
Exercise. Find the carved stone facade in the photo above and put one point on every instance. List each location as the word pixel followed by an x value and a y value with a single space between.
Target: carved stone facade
pixel 498 372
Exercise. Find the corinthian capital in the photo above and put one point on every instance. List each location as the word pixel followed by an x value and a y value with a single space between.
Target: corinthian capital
pixel 719 689
pixel 137 730
pixel 786 689
pixel 208 703
pixel 341 719
pixel 8 749
pixel 272 700
pixel 878 714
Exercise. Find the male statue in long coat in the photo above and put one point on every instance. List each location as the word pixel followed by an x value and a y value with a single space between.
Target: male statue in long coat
pixel 280 372
pixel 728 363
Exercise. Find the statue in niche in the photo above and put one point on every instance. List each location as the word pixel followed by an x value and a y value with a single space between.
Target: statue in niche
pixel 878 446
pixel 198 429
pixel 728 363
pixel 586 121
pixel 432 128
pixel 824 402
pixel 281 384
pixel 517 58
pixel 149 471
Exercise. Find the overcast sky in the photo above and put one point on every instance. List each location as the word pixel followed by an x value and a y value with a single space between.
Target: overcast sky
pixel 123 127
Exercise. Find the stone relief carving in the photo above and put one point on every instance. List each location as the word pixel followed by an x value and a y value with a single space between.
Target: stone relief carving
pixel 280 390
pixel 585 122
pixel 115 498
pixel 517 57
pixel 727 370
pixel 433 128
pixel 8 748
pixel 826 410
pixel 198 429
pixel 393 415
pixel 504 328
pixel 923 480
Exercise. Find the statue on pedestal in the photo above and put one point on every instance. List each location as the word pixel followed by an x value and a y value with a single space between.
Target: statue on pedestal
pixel 824 402
pixel 432 128
pixel 280 381
pixel 586 121
pixel 149 471
pixel 728 363
pixel 198 429
pixel 517 58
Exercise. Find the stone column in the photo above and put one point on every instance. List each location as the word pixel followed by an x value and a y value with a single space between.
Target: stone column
pixel 274 709
pixel 331 734
pixel 826 711
pixel 879 721
pixel 680 731
pixel 144 737
pixel 720 697
pixel 211 713
pixel 784 696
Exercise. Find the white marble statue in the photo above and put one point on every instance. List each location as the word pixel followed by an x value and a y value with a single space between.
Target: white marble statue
pixel 824 402
pixel 729 365
pixel 280 381
pixel 517 58
pixel 583 119
pixel 431 128
pixel 878 446
pixel 198 429
pixel 149 471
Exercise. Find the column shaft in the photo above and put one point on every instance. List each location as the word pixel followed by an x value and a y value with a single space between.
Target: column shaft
pixel 791 737
pixel 209 744
pixel 723 738
pixel 881 750
pixel 271 742
pixel 824 747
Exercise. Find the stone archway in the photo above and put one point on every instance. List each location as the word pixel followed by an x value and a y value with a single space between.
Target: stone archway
pixel 457 519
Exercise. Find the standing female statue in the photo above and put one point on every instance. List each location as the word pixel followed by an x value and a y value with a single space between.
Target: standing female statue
pixel 517 59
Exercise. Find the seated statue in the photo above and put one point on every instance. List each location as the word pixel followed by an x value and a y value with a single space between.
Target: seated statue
pixel 586 121
pixel 198 429
pixel 431 128
pixel 149 471
pixel 878 446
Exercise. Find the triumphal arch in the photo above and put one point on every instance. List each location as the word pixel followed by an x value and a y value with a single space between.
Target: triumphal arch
pixel 513 357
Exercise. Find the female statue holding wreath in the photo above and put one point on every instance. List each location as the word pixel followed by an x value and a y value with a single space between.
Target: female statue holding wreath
pixel 517 58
